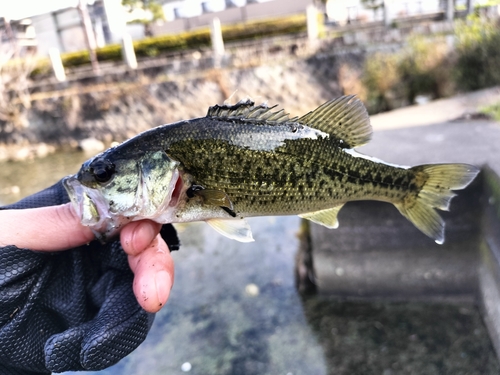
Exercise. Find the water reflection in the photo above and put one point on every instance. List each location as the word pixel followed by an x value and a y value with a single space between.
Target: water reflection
pixel 401 338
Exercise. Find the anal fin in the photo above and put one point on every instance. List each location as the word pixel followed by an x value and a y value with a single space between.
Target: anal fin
pixel 235 229
pixel 327 218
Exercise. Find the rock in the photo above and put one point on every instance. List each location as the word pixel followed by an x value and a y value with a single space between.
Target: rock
pixel 91 145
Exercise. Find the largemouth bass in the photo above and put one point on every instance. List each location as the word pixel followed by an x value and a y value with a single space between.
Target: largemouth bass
pixel 248 160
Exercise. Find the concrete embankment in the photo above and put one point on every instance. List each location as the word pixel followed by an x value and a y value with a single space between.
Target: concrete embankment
pixel 377 254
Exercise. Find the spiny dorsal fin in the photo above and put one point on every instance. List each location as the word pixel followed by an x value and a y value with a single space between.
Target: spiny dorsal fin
pixel 345 118
pixel 247 110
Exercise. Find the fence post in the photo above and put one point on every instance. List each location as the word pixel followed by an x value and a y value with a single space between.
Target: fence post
pixel 57 65
pixel 312 23
pixel 450 10
pixel 470 6
pixel 387 12
pixel 89 34
pixel 217 41
pixel 128 52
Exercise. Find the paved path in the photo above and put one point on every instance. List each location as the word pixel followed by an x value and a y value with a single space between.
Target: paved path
pixel 438 111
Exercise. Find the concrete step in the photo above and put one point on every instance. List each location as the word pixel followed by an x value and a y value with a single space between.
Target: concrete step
pixel 377 253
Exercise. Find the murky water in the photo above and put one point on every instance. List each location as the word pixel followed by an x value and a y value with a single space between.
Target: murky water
pixel 22 178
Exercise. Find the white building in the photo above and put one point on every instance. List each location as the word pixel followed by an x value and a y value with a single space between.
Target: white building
pixel 62 29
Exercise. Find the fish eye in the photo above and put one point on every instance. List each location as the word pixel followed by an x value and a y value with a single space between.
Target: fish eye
pixel 102 170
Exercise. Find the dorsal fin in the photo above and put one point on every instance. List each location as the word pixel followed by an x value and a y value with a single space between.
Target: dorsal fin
pixel 345 118
pixel 247 110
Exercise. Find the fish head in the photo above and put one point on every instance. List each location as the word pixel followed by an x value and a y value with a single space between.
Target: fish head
pixel 113 189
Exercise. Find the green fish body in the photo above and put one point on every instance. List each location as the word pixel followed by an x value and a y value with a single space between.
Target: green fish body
pixel 246 160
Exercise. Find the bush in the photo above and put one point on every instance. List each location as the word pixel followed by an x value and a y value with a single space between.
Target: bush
pixel 266 28
pixel 478 53
pixel 381 76
pixel 425 68
pixel 395 79
pixel 492 111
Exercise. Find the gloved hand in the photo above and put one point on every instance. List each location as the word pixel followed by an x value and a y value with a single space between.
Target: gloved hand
pixel 68 310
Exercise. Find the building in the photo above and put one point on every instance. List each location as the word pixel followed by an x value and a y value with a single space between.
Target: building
pixel 63 28
pixel 17 37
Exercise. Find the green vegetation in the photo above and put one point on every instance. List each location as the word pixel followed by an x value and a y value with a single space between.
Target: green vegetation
pixel 478 55
pixel 151 6
pixel 381 77
pixel 421 68
pixel 429 66
pixel 492 110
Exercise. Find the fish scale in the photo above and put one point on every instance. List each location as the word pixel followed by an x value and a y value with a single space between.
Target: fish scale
pixel 246 160
pixel 295 170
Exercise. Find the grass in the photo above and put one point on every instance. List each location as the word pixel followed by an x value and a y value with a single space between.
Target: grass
pixel 492 110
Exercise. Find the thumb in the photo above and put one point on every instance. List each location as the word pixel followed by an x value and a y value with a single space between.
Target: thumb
pixel 46 228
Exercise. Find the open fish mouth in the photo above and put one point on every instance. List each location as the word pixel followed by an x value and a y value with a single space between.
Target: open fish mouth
pixel 94 210
pixel 90 206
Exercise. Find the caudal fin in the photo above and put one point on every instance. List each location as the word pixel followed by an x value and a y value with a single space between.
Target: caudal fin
pixel 437 182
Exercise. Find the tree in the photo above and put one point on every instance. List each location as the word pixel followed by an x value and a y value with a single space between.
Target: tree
pixel 152 12
pixel 152 7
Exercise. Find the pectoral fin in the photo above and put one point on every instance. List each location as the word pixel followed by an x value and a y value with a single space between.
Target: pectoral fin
pixel 215 198
pixel 235 229
pixel 212 197
pixel 327 217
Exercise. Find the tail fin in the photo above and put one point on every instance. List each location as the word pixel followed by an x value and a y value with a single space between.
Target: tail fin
pixel 437 182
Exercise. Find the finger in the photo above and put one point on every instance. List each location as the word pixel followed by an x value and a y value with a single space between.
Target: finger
pixel 46 228
pixel 154 275
pixel 136 236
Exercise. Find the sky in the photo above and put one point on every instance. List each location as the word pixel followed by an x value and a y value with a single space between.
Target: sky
pixel 17 9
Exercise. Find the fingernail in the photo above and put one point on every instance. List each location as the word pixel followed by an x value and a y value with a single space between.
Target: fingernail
pixel 163 286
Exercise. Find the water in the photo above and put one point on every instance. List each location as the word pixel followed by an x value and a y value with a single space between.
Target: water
pixel 22 178
pixel 234 309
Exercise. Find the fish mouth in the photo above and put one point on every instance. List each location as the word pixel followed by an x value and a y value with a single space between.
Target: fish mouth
pixel 91 208
pixel 78 194
pixel 178 189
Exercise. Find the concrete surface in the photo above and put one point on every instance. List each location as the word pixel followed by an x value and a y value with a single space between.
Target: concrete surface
pixel 376 253
pixel 437 111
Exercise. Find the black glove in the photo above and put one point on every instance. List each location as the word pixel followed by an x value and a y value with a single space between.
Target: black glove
pixel 68 310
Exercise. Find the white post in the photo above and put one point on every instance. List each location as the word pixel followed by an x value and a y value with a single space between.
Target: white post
pixel 217 41
pixel 89 34
pixel 470 6
pixel 387 12
pixel 128 52
pixel 312 23
pixel 57 65
pixel 450 10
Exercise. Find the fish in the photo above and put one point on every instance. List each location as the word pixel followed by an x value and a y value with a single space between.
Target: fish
pixel 245 160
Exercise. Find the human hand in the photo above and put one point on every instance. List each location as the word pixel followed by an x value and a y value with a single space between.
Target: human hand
pixel 75 308
pixel 149 258
pixel 57 228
